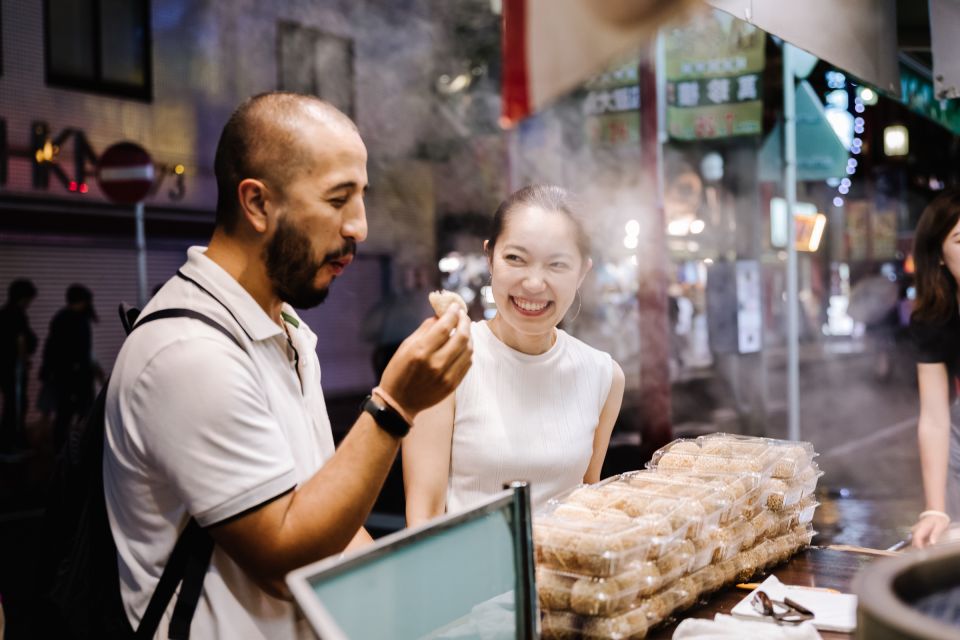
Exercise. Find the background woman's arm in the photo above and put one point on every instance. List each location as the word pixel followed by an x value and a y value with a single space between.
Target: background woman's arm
pixel 933 431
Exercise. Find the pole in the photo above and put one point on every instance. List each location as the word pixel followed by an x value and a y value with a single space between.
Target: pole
pixel 790 193
pixel 141 256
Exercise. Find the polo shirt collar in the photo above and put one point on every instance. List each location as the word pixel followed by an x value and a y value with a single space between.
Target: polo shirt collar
pixel 252 318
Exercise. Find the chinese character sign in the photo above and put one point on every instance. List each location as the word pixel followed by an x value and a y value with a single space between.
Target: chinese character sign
pixel 714 68
pixel 611 107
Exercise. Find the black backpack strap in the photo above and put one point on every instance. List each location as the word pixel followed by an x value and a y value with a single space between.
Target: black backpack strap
pixel 187 313
pixel 188 562
pixel 189 550
pixel 191 586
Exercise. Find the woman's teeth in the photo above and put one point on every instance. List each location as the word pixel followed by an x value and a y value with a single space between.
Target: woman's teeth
pixel 529 305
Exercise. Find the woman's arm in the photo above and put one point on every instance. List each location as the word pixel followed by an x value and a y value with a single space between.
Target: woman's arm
pixel 426 462
pixel 934 437
pixel 608 417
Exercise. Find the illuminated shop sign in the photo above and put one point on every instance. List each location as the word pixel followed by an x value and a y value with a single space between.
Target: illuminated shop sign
pixel 66 160
pixel 713 71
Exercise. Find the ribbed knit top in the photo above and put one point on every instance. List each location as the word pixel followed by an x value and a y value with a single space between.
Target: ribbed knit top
pixel 525 417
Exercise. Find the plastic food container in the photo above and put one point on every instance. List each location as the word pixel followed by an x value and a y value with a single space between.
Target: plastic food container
pixel 777 494
pixel 808 478
pixel 591 596
pixel 801 513
pixel 665 517
pixel 739 493
pixel 716 456
pixel 790 456
pixel 630 625
pixel 578 540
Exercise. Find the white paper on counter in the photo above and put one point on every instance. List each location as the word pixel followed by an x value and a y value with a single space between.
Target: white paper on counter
pixel 832 611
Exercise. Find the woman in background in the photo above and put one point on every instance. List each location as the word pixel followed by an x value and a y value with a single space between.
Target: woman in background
pixel 935 330
pixel 538 404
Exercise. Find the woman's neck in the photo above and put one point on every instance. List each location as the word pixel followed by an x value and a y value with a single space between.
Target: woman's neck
pixel 532 345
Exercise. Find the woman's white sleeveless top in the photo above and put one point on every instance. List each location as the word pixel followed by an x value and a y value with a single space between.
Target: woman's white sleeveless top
pixel 525 417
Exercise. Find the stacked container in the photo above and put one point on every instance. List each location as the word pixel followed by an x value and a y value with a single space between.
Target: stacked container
pixel 619 557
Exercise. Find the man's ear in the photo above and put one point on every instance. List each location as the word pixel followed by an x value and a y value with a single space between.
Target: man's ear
pixel 252 195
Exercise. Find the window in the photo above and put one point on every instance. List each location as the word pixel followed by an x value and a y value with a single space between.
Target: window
pixel 99 45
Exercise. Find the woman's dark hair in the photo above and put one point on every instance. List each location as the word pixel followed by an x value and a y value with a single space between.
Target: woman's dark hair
pixel 936 287
pixel 544 196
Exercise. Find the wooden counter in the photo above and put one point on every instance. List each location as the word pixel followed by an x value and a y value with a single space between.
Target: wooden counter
pixel 814 567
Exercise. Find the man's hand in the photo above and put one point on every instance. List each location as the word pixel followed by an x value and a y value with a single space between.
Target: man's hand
pixel 928 530
pixel 430 363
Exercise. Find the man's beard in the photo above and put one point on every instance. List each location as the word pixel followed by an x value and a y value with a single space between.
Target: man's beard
pixel 292 268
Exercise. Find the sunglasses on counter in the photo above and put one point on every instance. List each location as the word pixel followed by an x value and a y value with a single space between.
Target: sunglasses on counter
pixel 784 611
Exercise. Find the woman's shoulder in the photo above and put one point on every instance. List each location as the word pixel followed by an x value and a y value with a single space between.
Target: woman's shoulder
pixel 577 344
pixel 935 339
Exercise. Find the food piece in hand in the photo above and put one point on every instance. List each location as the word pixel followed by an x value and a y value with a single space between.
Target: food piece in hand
pixel 441 301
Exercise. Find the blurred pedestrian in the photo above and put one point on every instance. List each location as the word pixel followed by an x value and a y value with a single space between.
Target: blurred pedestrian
pixel 68 370
pixel 17 344
pixel 935 332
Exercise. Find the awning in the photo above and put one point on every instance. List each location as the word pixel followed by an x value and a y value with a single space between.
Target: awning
pixel 552 46
pixel 858 36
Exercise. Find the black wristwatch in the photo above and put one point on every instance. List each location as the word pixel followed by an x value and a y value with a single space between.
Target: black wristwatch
pixel 385 416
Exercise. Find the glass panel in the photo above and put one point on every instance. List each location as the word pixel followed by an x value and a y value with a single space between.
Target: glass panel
pixel 70 36
pixel 456 583
pixel 123 39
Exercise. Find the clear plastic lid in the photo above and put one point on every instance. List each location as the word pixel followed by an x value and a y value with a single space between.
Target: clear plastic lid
pixel 629 625
pixel 709 579
pixel 790 456
pixel 801 513
pixel 733 538
pixel 716 498
pixel 740 492
pixel 664 517
pixel 778 494
pixel 591 596
pixel 717 456
pixel 808 478
pixel 599 543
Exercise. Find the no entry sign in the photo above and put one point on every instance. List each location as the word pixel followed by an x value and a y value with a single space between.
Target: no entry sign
pixel 125 173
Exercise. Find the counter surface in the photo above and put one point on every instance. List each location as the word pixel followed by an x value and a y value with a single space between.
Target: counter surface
pixel 814 567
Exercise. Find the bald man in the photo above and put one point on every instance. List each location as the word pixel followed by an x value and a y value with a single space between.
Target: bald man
pixel 232 431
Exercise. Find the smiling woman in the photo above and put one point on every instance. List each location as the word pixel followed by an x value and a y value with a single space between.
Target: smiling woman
pixel 537 404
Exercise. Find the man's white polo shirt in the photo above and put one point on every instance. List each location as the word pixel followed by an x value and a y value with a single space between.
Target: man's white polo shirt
pixel 197 426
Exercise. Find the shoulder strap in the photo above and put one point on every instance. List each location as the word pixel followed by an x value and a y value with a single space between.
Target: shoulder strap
pixel 191 554
pixel 187 313
pixel 193 546
pixel 183 276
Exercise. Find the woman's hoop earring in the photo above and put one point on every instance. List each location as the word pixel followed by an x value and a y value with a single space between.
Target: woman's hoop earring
pixel 579 306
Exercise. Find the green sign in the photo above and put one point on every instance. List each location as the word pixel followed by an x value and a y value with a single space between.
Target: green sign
pixel 611 106
pixel 714 69
pixel 916 92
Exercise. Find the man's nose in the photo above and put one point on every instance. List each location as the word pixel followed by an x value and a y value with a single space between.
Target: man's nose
pixel 355 222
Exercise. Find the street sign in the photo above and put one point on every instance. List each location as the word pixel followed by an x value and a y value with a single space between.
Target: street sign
pixel 125 173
